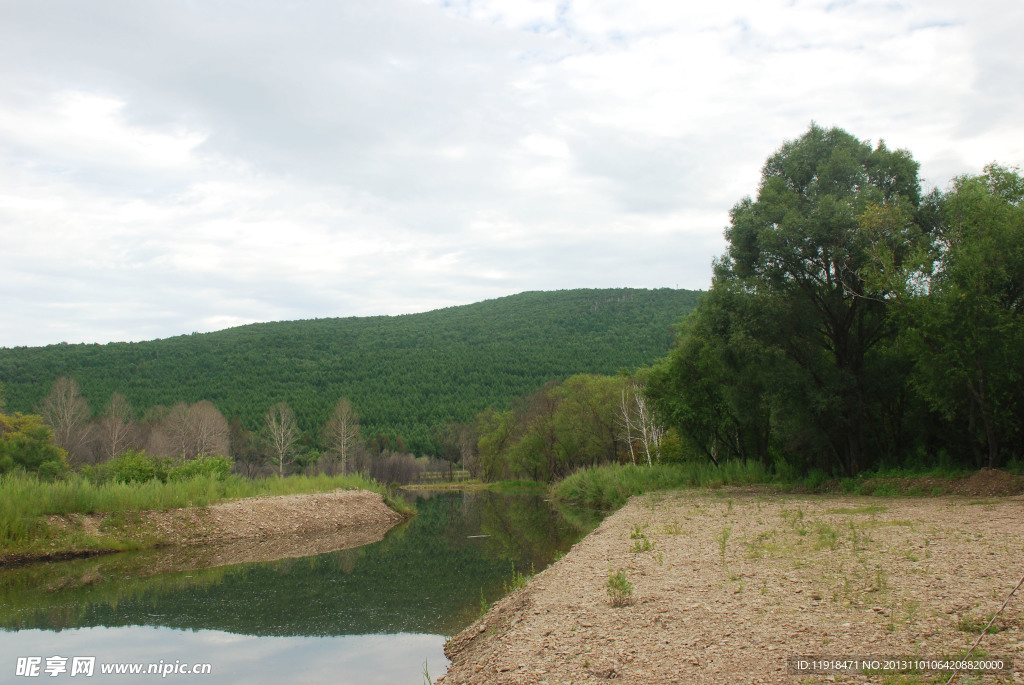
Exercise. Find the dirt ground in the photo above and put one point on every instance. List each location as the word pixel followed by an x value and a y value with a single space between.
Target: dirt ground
pixel 728 585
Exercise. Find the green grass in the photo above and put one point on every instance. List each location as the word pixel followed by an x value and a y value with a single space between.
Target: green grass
pixel 609 487
pixel 24 498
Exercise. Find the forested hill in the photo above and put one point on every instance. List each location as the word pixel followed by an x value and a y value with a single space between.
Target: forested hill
pixel 407 376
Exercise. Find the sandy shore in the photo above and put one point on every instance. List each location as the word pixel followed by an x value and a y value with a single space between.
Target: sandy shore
pixel 728 586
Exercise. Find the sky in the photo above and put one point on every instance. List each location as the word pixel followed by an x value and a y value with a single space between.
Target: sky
pixel 178 167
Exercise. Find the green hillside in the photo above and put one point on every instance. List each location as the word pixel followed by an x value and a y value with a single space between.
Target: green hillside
pixel 407 376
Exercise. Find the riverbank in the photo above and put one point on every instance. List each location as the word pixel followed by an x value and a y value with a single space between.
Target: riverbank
pixel 272 518
pixel 726 586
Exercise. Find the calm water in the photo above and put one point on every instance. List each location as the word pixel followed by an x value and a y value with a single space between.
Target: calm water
pixel 373 614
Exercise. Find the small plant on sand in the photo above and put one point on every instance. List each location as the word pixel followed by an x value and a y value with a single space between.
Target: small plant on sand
pixel 620 590
pixel 723 540
pixel 674 528
pixel 973 624
pixel 643 544
pixel 517 581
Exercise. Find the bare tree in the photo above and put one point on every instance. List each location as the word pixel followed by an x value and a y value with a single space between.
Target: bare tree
pixel 186 431
pixel 626 420
pixel 209 429
pixel 637 423
pixel 281 433
pixel 395 467
pixel 115 431
pixel 341 432
pixel 171 436
pixel 67 413
pixel 651 431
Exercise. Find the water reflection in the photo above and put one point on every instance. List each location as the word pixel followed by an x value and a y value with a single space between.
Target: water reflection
pixel 423 580
pixel 235 659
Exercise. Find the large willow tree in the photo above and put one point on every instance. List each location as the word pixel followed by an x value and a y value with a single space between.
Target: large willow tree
pixel 791 356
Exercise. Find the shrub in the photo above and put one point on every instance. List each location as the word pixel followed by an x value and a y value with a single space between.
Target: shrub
pixel 215 467
pixel 133 466
pixel 620 590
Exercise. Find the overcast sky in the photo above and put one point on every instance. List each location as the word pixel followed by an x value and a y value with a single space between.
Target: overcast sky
pixel 179 166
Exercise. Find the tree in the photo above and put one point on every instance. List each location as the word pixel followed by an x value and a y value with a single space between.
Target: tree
pixel 244 448
pixel 341 432
pixel 715 387
pixel 793 329
pixel 967 322
pixel 637 423
pixel 209 429
pixel 560 428
pixel 115 430
pixel 26 442
pixel 172 436
pixel 186 431
pixel 281 432
pixel 67 413
pixel 497 431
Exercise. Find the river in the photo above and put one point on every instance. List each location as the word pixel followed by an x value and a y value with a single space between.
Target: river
pixel 373 614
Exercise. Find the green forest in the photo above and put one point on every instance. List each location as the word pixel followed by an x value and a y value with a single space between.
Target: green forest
pixel 407 377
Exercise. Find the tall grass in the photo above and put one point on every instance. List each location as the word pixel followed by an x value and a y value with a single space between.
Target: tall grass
pixel 24 497
pixel 608 487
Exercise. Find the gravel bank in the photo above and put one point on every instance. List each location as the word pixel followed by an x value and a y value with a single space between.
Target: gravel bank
pixel 249 529
pixel 727 586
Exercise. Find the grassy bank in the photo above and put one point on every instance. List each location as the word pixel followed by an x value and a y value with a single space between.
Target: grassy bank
pixel 609 487
pixel 25 501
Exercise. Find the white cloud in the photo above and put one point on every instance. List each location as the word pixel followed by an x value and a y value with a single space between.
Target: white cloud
pixel 169 168
pixel 89 129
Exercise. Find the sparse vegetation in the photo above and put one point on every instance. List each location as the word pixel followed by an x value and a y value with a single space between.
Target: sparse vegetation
pixel 516 580
pixel 620 590
pixel 723 540
pixel 643 544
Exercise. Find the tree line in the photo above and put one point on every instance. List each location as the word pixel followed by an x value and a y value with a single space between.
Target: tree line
pixel 66 434
pixel 856 323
